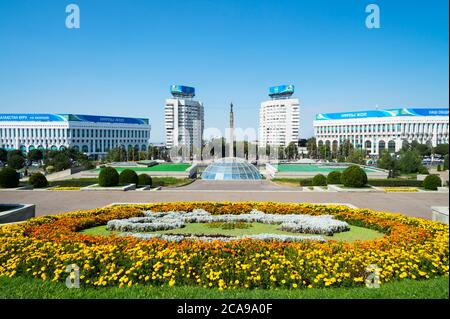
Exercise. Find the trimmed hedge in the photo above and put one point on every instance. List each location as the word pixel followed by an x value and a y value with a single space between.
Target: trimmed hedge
pixel 395 182
pixel 128 176
pixel 38 180
pixel 319 180
pixel 432 182
pixel 423 170
pixel 145 179
pixel 334 177
pixel 108 177
pixel 9 178
pixel 354 176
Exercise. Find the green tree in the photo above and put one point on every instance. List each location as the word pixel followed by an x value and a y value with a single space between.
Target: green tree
pixel 345 149
pixel 357 157
pixel 292 150
pixel 446 162
pixel 441 149
pixel 16 161
pixel 35 155
pixel 116 154
pixel 311 146
pixel 410 161
pixel 3 155
pixel 388 162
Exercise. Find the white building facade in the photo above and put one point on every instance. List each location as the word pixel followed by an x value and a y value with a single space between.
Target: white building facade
pixel 279 118
pixel 90 134
pixel 184 118
pixel 379 130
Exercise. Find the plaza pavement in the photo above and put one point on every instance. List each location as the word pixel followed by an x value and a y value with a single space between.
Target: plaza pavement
pixel 54 202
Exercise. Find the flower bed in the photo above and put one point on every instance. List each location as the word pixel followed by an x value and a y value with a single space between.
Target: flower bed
pixel 296 223
pixel 64 188
pixel 44 246
pixel 400 189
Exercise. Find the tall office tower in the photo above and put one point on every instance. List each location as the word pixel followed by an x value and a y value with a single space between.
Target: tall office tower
pixel 184 118
pixel 279 117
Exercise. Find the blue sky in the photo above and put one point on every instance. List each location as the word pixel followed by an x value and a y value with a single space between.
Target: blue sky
pixel 127 53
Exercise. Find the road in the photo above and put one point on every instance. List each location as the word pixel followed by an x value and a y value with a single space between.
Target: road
pixel 54 202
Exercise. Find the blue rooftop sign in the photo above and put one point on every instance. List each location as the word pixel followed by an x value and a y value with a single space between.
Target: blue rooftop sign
pixel 183 91
pixel 382 113
pixel 281 90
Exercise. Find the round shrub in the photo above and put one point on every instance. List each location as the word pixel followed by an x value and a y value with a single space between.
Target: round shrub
pixel 9 178
pixel 38 180
pixel 319 180
pixel 145 179
pixel 128 176
pixel 354 176
pixel 423 170
pixel 108 177
pixel 334 177
pixel 50 169
pixel 432 182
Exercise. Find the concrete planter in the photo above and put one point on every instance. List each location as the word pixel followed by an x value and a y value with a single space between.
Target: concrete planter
pixel 12 213
pixel 96 187
pixel 440 214
pixel 143 188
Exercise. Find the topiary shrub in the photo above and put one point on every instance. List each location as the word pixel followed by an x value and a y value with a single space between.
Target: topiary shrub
pixel 128 176
pixel 334 177
pixel 108 177
pixel 9 178
pixel 354 176
pixel 423 170
pixel 50 169
pixel 38 180
pixel 145 179
pixel 439 168
pixel 319 180
pixel 432 182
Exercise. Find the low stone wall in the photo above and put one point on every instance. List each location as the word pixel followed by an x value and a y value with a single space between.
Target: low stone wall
pixel 440 214
pixel 16 212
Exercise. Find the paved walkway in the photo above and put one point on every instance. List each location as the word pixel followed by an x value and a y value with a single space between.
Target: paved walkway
pixel 53 202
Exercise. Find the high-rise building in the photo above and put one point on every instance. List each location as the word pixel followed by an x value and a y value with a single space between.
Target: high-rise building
pixel 279 117
pixel 184 118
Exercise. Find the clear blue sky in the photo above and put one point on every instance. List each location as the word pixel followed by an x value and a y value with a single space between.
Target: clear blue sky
pixel 127 53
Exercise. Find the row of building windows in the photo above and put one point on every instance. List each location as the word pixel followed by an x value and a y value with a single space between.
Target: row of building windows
pixel 63 133
pixel 382 128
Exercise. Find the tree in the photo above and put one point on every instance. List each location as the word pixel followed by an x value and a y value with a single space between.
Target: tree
pixel 345 149
pixel 281 152
pixel 3 155
pixel 410 161
pixel 16 161
pixel 441 149
pixel 292 150
pixel 446 162
pixel 35 155
pixel 116 154
pixel 388 162
pixel 357 157
pixel 311 146
pixel 424 149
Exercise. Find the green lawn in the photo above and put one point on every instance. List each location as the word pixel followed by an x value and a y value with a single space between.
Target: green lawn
pixel 355 232
pixel 311 168
pixel 21 288
pixel 156 168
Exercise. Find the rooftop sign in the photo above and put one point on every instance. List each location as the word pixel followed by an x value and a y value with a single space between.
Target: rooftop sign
pixel 281 90
pixel 182 91
pixel 70 118
pixel 382 113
